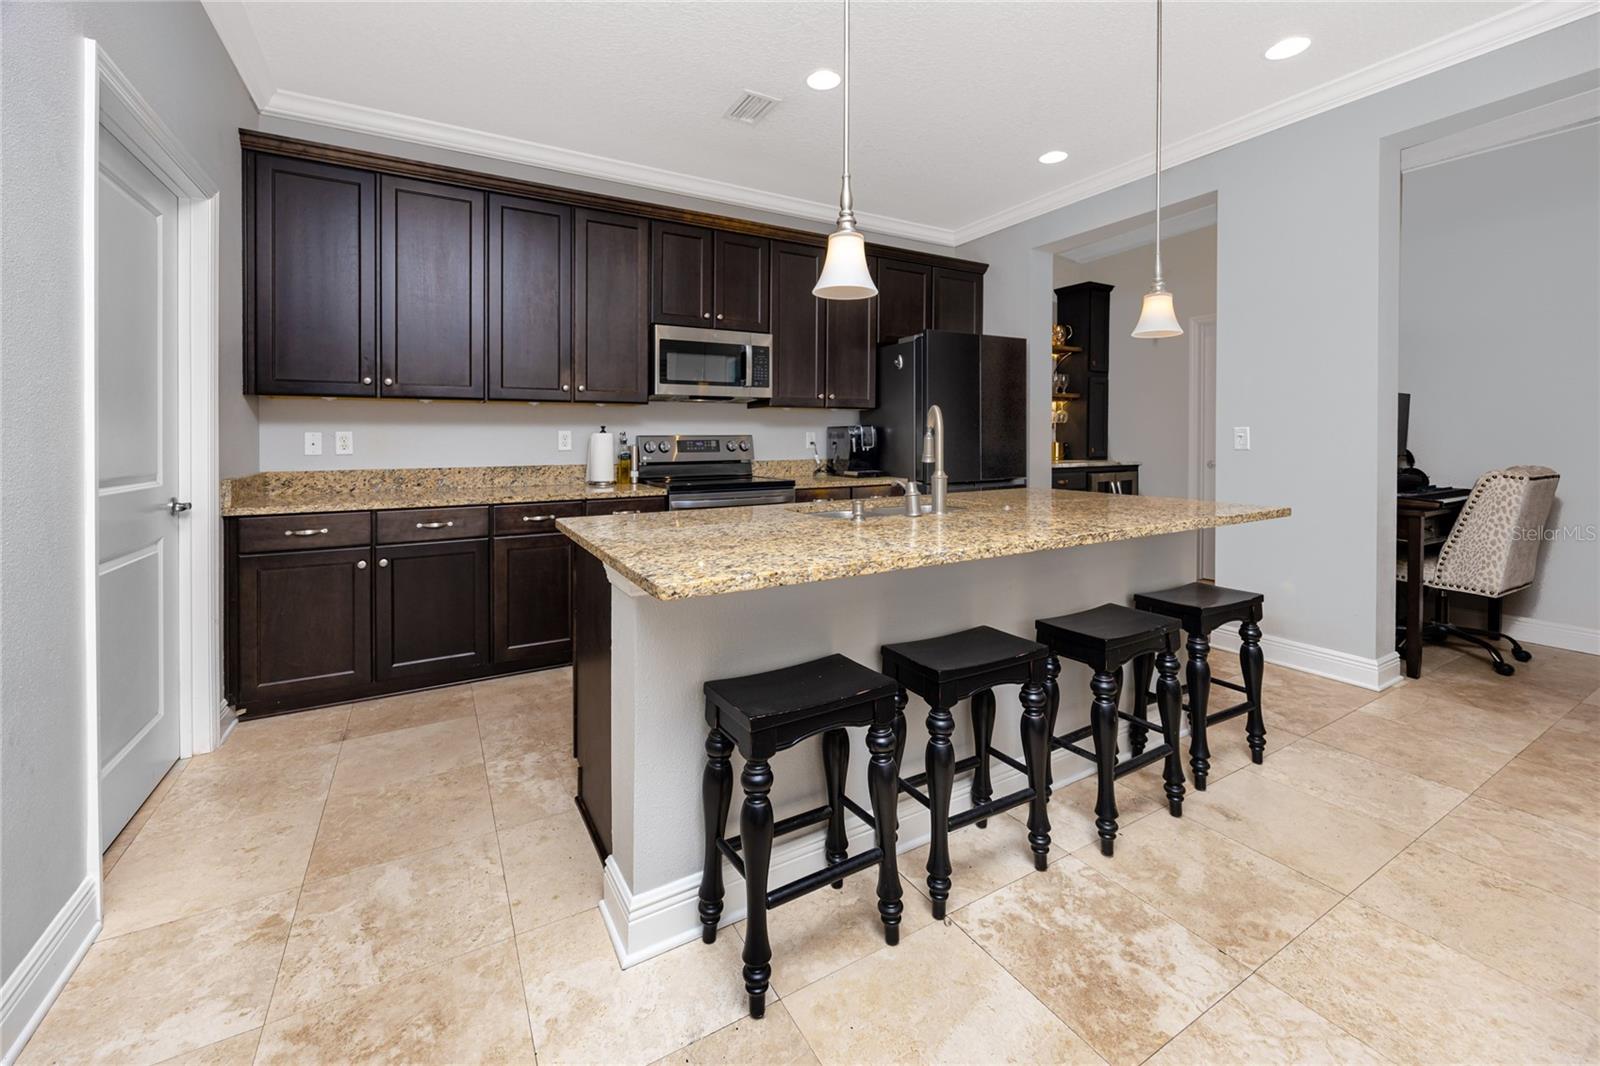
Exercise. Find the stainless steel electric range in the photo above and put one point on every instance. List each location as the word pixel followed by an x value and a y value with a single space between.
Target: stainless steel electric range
pixel 707 471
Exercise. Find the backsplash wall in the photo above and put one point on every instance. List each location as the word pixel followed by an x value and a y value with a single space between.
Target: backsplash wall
pixel 408 433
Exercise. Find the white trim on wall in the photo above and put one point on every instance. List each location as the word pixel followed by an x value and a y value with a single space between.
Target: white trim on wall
pixel 38 979
pixel 1375 674
pixel 1552 634
pixel 1549 120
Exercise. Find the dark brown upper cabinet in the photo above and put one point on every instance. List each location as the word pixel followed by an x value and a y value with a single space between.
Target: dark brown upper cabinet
pixel 904 299
pixel 742 289
pixel 852 351
pixel 530 299
pixel 957 300
pixel 311 293
pixel 799 327
pixel 681 274
pixel 611 307
pixel 433 335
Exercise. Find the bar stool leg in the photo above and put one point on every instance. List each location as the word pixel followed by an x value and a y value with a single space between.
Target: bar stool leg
pixel 899 744
pixel 835 764
pixel 1052 691
pixel 982 738
pixel 716 789
pixel 1103 718
pixel 1169 700
pixel 1199 676
pixel 755 827
pixel 941 771
pixel 1255 728
pixel 1143 667
pixel 1036 754
pixel 882 772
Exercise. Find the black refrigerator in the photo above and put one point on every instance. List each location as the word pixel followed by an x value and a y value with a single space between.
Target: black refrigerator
pixel 981 386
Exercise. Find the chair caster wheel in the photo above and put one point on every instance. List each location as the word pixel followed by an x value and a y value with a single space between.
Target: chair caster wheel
pixel 1504 669
pixel 1522 655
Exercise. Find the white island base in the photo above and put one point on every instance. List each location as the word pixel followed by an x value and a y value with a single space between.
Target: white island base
pixel 663 651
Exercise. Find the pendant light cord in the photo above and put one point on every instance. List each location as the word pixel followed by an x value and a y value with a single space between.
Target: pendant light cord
pixel 1159 285
pixel 847 214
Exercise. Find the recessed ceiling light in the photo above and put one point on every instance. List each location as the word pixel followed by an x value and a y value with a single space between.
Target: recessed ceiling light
pixel 1052 157
pixel 823 80
pixel 1288 48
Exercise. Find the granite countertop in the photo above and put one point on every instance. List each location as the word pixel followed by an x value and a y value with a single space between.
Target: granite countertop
pixel 304 491
pixel 682 554
pixel 1085 464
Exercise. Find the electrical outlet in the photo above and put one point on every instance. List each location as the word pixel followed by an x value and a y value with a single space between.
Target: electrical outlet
pixel 811 439
pixel 344 442
pixel 563 440
pixel 313 443
pixel 1241 438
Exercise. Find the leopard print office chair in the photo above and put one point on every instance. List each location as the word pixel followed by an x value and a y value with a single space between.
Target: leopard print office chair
pixel 1492 551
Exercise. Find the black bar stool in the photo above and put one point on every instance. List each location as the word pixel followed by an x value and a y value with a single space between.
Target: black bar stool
pixel 1201 608
pixel 944 671
pixel 763 714
pixel 1104 638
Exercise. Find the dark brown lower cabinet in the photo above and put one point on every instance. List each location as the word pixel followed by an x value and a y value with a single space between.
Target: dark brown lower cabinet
pixel 432 612
pixel 302 625
pixel 533 599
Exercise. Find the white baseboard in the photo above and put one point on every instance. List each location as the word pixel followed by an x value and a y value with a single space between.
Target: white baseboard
pixel 1552 634
pixel 33 986
pixel 645 925
pixel 1376 674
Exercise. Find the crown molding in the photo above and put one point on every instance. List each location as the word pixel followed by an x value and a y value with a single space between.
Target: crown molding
pixel 232 23
pixel 1508 27
pixel 359 119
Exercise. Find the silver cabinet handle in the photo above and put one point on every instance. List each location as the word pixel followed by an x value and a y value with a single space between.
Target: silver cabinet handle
pixel 305 532
pixel 361 564
pixel 538 518
pixel 176 506
pixel 434 525
pixel 388 381
pixel 367 380
pixel 383 562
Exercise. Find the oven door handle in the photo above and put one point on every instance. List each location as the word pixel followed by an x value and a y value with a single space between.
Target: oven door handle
pixel 729 499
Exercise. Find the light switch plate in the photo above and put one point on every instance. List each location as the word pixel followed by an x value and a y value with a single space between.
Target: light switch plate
pixel 313 443
pixel 1241 438
pixel 344 442
pixel 811 439
pixel 563 440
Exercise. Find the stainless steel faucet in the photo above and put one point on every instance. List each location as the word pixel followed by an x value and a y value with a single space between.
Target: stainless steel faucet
pixel 933 452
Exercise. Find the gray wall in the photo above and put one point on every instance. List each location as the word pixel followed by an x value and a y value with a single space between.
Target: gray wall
pixel 1500 339
pixel 171 54
pixel 1307 243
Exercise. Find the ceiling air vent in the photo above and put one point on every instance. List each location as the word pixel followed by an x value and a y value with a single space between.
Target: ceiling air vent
pixel 751 107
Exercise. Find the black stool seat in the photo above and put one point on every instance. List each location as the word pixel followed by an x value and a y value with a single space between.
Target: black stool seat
pixel 1105 638
pixel 943 671
pixel 763 714
pixel 1201 608
pixel 768 712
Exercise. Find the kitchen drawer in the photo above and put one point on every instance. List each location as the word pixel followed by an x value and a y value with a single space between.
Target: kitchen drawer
pixel 637 504
pixel 291 532
pixel 835 492
pixel 1075 480
pixel 516 518
pixel 432 523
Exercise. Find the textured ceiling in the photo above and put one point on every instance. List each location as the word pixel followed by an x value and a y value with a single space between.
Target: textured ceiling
pixel 952 102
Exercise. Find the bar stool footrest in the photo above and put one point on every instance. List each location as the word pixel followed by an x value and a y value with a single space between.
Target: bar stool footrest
pixel 1228 712
pixel 826 876
pixel 1223 682
pixel 990 808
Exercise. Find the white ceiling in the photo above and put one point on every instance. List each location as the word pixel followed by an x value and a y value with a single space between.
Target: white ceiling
pixel 952 102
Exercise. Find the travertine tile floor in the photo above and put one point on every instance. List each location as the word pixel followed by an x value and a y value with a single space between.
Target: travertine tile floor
pixel 1411 877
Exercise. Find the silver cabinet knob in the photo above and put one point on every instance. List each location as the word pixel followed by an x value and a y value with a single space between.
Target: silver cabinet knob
pixel 361 564
pixel 383 562
pixel 367 380
pixel 820 396
pixel 564 388
pixel 388 381
pixel 832 396
pixel 719 318
pixel 580 388
pixel 706 315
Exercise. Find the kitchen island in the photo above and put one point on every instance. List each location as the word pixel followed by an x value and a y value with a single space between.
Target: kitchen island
pixel 669 601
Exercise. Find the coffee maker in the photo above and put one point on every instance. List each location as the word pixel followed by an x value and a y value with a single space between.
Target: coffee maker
pixel 853 451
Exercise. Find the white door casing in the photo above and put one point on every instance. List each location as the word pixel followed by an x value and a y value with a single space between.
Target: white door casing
pixel 1203 431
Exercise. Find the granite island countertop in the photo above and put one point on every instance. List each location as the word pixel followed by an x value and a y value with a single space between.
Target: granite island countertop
pixel 682 554
pixel 277 492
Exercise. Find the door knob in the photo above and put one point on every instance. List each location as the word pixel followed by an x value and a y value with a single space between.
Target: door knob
pixel 176 506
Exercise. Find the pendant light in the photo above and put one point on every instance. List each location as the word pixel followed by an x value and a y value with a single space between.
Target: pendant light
pixel 1156 317
pixel 844 271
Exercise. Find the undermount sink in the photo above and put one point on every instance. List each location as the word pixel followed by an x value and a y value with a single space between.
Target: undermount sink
pixel 893 510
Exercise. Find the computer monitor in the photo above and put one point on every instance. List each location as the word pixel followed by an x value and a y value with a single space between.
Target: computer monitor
pixel 1405 418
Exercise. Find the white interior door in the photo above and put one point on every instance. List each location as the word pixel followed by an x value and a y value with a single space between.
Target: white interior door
pixel 1205 346
pixel 137 583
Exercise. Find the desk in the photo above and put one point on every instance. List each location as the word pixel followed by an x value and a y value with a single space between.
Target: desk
pixel 1416 513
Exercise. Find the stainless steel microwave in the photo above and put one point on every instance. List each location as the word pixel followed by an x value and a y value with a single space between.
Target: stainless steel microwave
pixel 687 363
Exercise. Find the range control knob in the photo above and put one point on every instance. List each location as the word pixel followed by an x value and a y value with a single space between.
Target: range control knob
pixel 731 446
pixel 744 446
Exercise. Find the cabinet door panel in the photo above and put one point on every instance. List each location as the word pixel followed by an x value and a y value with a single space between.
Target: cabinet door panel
pixel 304 624
pixel 957 300
pixel 611 281
pixel 433 608
pixel 799 327
pixel 433 289
pixel 742 289
pixel 533 599
pixel 530 300
pixel 681 268
pixel 904 293
pixel 1099 404
pixel 852 352
pixel 313 323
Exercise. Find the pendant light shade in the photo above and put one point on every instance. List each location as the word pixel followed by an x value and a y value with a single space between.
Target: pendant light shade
pixel 1157 319
pixel 844 271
